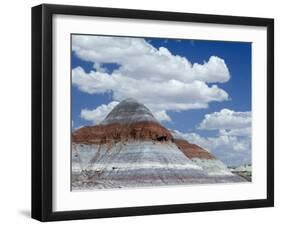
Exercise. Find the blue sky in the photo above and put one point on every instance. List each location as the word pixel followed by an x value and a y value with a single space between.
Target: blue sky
pixel 234 56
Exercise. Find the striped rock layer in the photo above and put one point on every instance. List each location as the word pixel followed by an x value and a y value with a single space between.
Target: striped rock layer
pixel 131 149
pixel 116 132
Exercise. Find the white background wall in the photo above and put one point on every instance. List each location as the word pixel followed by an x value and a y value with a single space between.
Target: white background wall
pixel 15 119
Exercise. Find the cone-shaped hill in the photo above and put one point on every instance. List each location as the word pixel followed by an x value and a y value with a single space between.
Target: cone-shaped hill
pixel 130 148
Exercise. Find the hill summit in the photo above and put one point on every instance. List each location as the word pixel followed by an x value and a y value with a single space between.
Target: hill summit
pixel 129 111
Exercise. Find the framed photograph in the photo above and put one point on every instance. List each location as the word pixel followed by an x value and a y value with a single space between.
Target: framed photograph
pixel 145 112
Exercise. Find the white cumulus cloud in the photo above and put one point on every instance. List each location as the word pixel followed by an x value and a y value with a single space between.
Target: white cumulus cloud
pixel 226 119
pixel 138 59
pixel 168 95
pixel 98 114
pixel 154 76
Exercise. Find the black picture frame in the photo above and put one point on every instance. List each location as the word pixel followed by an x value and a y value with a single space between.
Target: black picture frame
pixel 42 107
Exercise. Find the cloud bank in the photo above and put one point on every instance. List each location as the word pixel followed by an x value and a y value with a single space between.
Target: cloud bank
pixel 154 76
pixel 232 144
